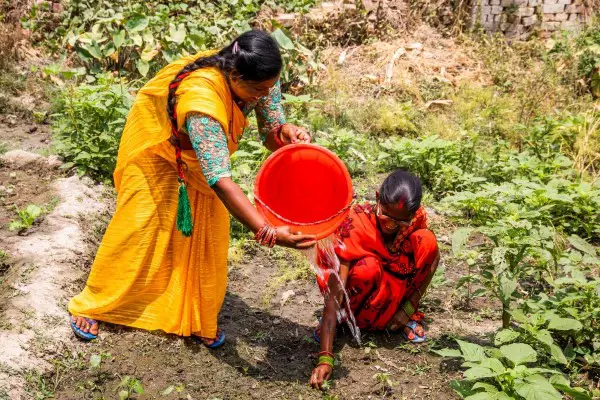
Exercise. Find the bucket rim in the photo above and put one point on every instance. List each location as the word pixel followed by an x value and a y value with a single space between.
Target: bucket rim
pixel 295 147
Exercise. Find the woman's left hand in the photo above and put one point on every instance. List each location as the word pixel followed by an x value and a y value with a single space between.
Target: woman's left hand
pixel 292 134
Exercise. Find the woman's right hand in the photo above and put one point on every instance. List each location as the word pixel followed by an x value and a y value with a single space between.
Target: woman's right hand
pixel 320 374
pixel 294 240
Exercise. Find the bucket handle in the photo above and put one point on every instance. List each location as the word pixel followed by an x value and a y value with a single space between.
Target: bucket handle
pixel 262 203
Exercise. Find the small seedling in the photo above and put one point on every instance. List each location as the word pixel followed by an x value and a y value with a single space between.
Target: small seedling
pixel 27 217
pixel 384 379
pixel 420 369
pixel 128 387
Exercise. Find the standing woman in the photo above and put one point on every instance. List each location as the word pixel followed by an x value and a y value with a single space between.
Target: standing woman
pixel 162 263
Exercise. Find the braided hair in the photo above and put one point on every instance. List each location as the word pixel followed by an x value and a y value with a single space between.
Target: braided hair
pixel 253 56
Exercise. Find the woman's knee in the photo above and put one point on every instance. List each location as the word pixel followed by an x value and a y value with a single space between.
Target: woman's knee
pixel 425 248
pixel 367 269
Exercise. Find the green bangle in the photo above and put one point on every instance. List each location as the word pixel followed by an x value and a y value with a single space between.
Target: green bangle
pixel 408 308
pixel 328 360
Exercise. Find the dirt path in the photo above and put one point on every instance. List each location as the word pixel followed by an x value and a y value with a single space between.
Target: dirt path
pixel 269 352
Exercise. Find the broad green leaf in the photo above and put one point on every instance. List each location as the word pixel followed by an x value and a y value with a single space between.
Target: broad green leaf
pixel 505 336
pixel 143 67
pixel 519 353
pixel 137 40
pixel 119 39
pixel 109 50
pixel 95 360
pixel 477 373
pixel 137 23
pixel 564 324
pixel 94 50
pixel 462 388
pixel 507 288
pixel 485 386
pixel 177 33
pixel 460 237
pixel 574 393
pixel 545 337
pixel 499 259
pixel 582 245
pixel 471 351
pixel 480 396
pixel 519 316
pixel 531 371
pixel 448 353
pixel 123 395
pixel 557 354
pixel 494 364
pixel 489 396
pixel 284 41
pixel 536 387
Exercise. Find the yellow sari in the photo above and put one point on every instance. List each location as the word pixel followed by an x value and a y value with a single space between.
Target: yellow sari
pixel 146 274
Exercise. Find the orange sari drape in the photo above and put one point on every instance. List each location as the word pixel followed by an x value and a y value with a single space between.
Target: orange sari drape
pixel 146 274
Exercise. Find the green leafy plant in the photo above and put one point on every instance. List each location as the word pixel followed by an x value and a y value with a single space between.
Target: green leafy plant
pixel 506 373
pixel 353 149
pixel 300 63
pixel 27 217
pixel 137 38
pixel 88 126
pixel 129 387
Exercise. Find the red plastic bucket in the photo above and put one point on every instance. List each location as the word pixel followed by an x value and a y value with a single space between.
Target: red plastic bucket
pixel 306 187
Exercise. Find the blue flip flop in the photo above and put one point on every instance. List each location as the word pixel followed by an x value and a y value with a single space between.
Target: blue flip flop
pixel 87 336
pixel 219 340
pixel 417 339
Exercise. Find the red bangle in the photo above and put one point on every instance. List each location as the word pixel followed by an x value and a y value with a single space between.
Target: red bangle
pixel 326 353
pixel 266 236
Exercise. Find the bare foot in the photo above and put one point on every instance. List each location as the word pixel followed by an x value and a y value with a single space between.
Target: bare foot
pixel 410 333
pixel 399 320
pixel 83 324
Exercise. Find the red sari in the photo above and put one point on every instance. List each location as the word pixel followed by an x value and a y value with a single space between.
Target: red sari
pixel 381 276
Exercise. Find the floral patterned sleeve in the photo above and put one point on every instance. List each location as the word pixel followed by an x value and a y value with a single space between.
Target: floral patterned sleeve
pixel 210 144
pixel 269 112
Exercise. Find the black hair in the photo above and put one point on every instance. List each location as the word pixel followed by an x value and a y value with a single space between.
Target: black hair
pixel 401 186
pixel 254 55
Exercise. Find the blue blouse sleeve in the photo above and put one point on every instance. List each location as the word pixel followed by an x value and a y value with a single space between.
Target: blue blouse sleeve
pixel 269 112
pixel 210 144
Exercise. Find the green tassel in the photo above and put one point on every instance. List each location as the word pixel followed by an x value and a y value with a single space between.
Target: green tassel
pixel 184 212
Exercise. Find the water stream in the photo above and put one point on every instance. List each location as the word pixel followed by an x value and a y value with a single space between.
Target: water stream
pixel 323 260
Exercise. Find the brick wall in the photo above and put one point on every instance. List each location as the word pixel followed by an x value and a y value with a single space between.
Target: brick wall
pixel 519 19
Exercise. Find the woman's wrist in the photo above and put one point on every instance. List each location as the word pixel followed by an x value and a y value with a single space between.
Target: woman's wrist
pixel 277 136
pixel 326 359
pixel 266 236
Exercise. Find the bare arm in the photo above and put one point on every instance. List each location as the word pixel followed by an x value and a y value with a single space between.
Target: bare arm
pixel 210 144
pixel 328 324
